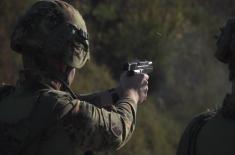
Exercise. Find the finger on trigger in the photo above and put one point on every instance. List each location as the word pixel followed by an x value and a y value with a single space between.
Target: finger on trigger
pixel 146 76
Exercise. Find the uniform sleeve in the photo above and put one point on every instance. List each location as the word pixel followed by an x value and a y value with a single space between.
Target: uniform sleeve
pixel 99 99
pixel 94 98
pixel 94 128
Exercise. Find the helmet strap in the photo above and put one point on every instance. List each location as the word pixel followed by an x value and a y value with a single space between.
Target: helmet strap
pixel 62 77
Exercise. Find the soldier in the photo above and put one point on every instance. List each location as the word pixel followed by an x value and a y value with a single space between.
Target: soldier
pixel 212 133
pixel 41 114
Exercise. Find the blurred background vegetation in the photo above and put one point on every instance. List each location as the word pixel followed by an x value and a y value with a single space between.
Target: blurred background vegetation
pixel 177 35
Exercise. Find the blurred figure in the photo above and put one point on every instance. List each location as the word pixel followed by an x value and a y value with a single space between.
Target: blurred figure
pixel 41 114
pixel 212 133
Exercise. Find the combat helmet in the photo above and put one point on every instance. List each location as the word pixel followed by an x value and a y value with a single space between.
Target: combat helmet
pixel 52 29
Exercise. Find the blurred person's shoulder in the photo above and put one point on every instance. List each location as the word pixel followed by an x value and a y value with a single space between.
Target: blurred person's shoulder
pixel 199 121
pixel 190 134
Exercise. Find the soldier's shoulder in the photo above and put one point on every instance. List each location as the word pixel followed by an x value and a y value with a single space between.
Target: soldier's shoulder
pixel 58 102
pixel 52 95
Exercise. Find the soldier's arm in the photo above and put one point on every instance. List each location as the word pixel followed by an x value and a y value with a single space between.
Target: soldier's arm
pixel 100 99
pixel 98 129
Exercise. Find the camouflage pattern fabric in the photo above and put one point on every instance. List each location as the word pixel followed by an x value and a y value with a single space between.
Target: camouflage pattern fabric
pixel 38 119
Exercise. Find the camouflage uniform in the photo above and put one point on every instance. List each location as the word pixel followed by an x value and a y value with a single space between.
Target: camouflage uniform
pixel 50 121
pixel 38 119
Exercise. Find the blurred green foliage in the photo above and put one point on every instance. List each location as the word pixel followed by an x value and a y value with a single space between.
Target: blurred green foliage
pixel 176 35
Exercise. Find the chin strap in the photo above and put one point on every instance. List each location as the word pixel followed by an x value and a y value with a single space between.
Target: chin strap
pixel 63 79
pixel 68 89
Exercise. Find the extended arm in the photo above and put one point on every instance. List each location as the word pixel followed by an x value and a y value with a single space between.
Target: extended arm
pixel 101 99
pixel 99 129
pixel 94 128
